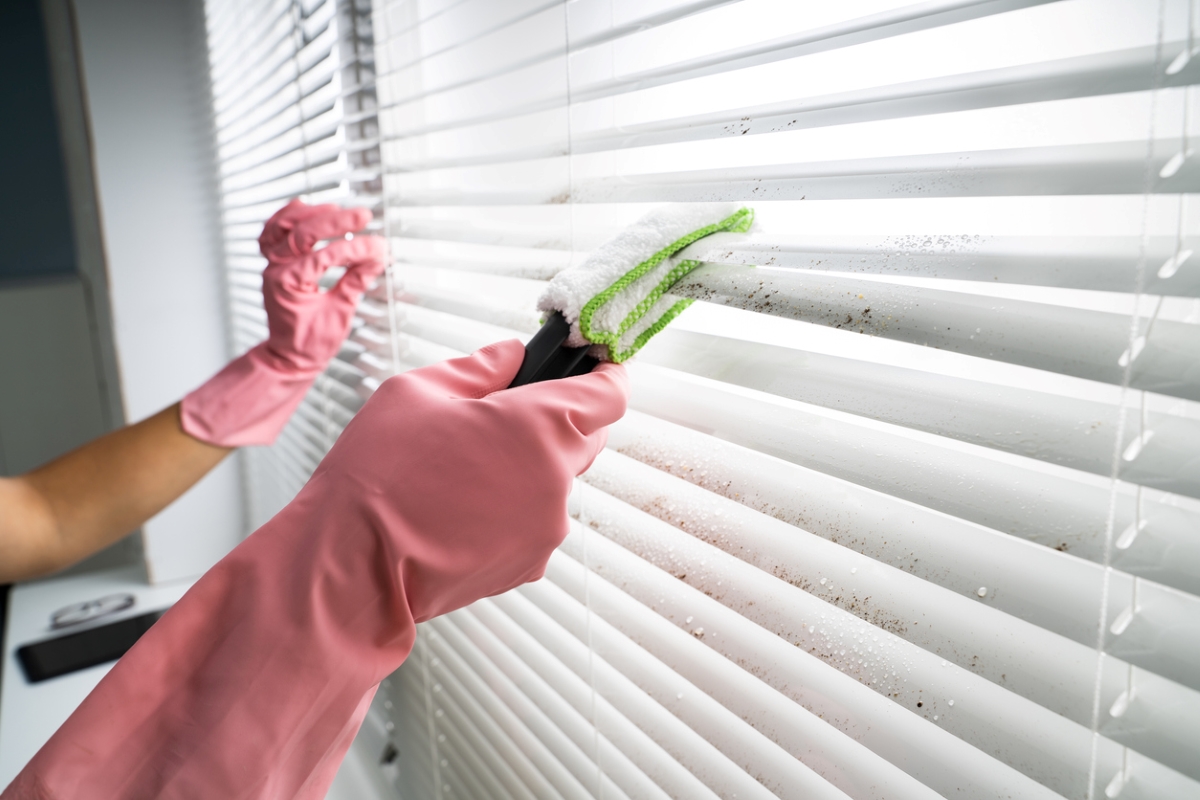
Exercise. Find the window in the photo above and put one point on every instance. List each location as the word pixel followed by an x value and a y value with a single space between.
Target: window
pixel 908 505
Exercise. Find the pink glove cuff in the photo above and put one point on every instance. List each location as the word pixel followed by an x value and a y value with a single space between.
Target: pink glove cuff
pixel 246 403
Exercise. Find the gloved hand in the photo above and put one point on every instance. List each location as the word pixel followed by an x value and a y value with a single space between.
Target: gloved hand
pixel 251 399
pixel 441 491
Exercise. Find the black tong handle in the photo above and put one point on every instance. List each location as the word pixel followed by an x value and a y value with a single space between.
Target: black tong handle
pixel 547 357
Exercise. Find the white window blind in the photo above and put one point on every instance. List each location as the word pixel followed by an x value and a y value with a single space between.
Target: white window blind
pixel 908 506
pixel 294 101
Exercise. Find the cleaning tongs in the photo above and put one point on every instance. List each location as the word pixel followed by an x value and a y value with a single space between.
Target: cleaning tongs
pixel 547 356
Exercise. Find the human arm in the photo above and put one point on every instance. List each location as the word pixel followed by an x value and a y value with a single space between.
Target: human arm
pixel 445 488
pixel 88 498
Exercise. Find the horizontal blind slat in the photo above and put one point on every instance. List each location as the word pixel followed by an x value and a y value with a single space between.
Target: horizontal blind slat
pixel 716 777
pixel 928 752
pixel 264 26
pixel 547 693
pixel 539 707
pixel 1058 509
pixel 1085 344
pixel 473 98
pixel 760 757
pixel 1083 76
pixel 396 17
pixel 501 733
pixel 1094 262
pixel 1069 431
pixel 1048 669
pixel 807 737
pixel 476 766
pixel 554 654
pixel 292 92
pixel 459 25
pixel 1052 750
pixel 845 33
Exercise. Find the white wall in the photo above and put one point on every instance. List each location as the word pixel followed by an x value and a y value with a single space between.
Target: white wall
pixel 145 73
pixel 51 402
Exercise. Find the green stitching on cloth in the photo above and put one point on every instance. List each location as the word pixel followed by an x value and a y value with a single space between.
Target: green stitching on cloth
pixel 738 222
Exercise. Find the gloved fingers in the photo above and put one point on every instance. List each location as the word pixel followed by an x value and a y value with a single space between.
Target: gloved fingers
pixel 332 223
pixel 604 393
pixel 359 274
pixel 305 272
pixel 275 241
pixel 590 402
pixel 489 369
pixel 294 229
pixel 616 372
pixel 275 230
pixel 565 419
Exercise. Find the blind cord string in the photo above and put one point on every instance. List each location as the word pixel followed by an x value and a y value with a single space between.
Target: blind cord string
pixel 585 529
pixel 430 725
pixel 1114 785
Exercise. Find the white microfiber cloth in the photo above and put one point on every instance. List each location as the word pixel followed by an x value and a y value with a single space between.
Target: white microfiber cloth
pixel 617 299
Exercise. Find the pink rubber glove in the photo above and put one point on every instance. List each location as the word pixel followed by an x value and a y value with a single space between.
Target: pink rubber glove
pixel 441 491
pixel 251 399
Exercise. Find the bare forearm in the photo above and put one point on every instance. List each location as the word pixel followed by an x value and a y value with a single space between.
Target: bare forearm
pixel 94 495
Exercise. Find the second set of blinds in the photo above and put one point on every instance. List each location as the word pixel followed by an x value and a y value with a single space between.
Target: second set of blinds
pixel 293 87
pixel 908 504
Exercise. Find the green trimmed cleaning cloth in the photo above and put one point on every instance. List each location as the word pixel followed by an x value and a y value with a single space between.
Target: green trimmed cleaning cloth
pixel 619 297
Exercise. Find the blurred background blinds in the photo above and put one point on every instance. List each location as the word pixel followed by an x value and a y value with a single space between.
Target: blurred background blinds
pixel 908 505
pixel 293 85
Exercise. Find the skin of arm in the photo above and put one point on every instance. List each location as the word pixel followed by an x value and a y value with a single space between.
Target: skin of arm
pixel 89 498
